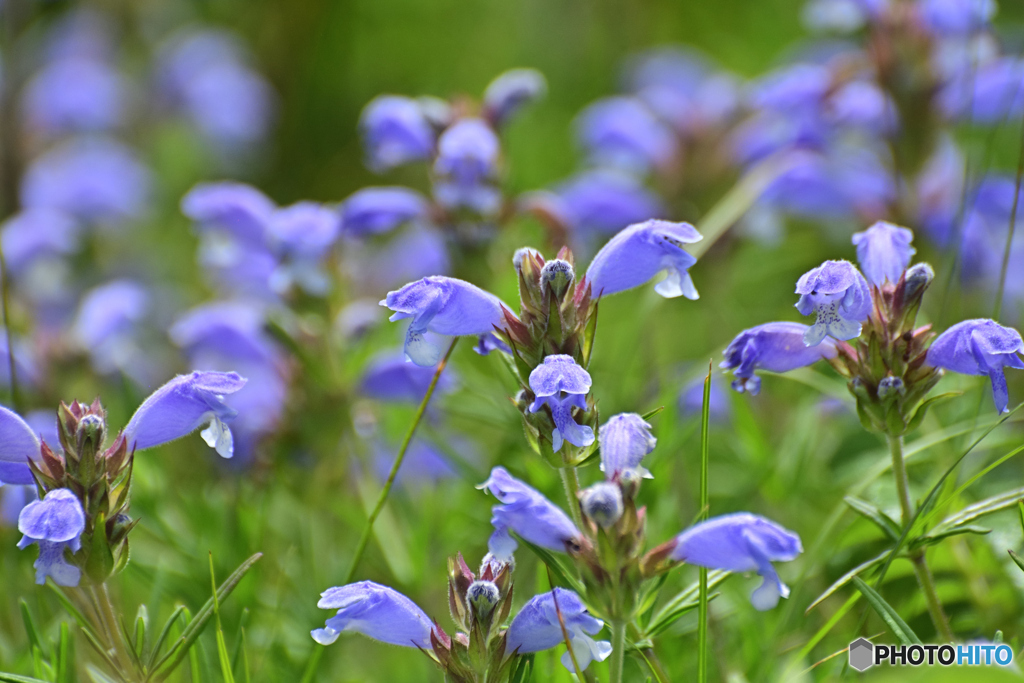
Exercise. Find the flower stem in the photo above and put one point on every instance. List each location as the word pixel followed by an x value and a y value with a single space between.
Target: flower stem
pixel 571 484
pixel 921 570
pixel 383 497
pixel 618 656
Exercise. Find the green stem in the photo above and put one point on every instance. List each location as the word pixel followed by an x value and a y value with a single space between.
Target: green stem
pixel 571 484
pixel 705 505
pixel 921 570
pixel 368 529
pixel 108 622
pixel 618 656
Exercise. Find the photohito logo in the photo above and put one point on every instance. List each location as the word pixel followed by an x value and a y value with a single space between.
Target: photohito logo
pixel 864 654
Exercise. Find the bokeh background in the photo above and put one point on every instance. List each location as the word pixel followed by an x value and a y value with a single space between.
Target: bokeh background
pixel 302 494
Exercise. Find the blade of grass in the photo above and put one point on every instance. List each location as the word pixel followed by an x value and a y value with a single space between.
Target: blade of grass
pixel 889 615
pixel 222 647
pixel 368 529
pixel 702 609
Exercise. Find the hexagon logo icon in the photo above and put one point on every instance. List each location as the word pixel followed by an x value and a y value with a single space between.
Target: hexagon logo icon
pixel 862 654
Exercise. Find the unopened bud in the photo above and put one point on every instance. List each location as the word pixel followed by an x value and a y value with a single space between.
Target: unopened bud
pixel 918 277
pixel 495 564
pixel 483 596
pixel 557 275
pixel 602 503
pixel 629 480
pixel 521 253
pixel 890 386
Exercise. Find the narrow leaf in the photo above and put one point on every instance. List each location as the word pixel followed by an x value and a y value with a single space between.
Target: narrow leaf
pixel 893 620
pixel 846 578
pixel 883 521
pixel 561 576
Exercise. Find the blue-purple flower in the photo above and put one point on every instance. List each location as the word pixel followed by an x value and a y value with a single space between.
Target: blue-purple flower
pixel 838 295
pixel 741 542
pixel 640 252
pixel 181 406
pixel 395 132
pixel 106 323
pixel 980 347
pixel 884 252
pixel 55 523
pixel 377 612
pixel 466 167
pixel 390 377
pixel 18 445
pixel 691 399
pixel 622 132
pixel 36 234
pixel 376 210
pixel 235 208
pixel 625 440
pixel 510 92
pixel 528 513
pixel 561 384
pixel 74 95
pixel 442 305
pixel 537 627
pixel 94 179
pixel 300 236
pixel 776 347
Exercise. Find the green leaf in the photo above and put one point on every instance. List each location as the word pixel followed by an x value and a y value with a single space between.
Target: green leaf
pixel 685 601
pixel 893 620
pixel 65 657
pixel 15 678
pixel 922 409
pixel 883 521
pixel 847 577
pixel 980 509
pixel 562 576
pixel 1016 558
pixel 933 538
pixel 195 626
pixel 30 627
pixel 523 671
pixel 222 647
pixel 158 644
pixel 98 676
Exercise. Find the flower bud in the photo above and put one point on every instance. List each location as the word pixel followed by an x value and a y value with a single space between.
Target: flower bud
pixel 890 387
pixel 557 275
pixel 90 432
pixel 521 253
pixel 629 481
pixel 483 596
pixel 919 276
pixel 602 503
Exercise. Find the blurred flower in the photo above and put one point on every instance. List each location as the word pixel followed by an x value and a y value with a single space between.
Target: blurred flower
pixel 233 328
pixel 640 252
pixel 625 439
pixel 980 347
pixel 375 611
pixel 301 236
pixel 13 500
pixel 357 318
pixel 838 294
pixel 512 90
pixel 985 93
pixel 25 365
pixel 56 522
pixel 106 326
pixel 884 252
pixel 442 305
pixel 424 465
pixel 183 405
pixel 395 132
pixel 538 627
pixel 376 210
pixel 95 179
pixel 204 75
pixel 35 234
pixel 467 167
pixel 955 17
pixel 604 201
pixel 691 399
pixel 684 89
pixel 18 445
pixel 776 347
pixel 561 385
pixel 414 253
pixel 983 236
pixel 74 95
pixel 525 511
pixel 623 133
pixel 840 16
pixel 235 208
pixel 939 190
pixel 741 542
pixel 389 377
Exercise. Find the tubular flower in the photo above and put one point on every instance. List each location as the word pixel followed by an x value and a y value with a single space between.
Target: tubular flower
pixel 442 305
pixel 980 347
pixel 537 628
pixel 640 252
pixel 776 347
pixel 838 294
pixel 375 611
pixel 561 384
pixel 625 439
pixel 56 522
pixel 528 513
pixel 884 252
